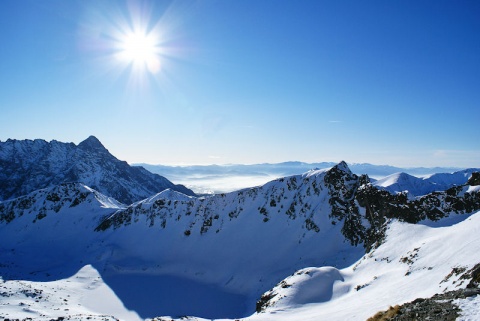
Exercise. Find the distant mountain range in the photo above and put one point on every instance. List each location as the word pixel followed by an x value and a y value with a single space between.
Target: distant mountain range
pixel 289 168
pixel 209 179
pixel 28 165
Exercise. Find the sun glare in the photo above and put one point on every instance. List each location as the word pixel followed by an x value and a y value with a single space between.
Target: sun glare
pixel 141 50
pixel 135 43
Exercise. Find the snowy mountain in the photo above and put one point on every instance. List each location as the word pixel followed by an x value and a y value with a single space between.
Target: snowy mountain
pixel 343 241
pixel 27 165
pixel 417 186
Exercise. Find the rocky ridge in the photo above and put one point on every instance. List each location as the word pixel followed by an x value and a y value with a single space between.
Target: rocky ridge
pixel 39 204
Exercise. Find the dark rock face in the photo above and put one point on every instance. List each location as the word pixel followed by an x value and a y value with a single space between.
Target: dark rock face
pixel 474 180
pixel 474 276
pixel 27 165
pixel 342 186
pixel 441 306
pixel 352 195
pixel 438 307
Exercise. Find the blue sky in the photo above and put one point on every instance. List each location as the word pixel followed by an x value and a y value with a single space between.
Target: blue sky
pixel 384 82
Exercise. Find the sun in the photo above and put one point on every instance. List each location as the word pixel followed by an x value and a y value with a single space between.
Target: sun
pixel 138 47
pixel 141 50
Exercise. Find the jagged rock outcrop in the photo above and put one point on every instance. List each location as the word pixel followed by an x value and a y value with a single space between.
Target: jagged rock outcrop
pixel 441 306
pixel 381 206
pixel 26 166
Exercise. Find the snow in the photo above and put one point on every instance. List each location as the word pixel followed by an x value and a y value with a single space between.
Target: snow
pixel 315 172
pixel 472 189
pixel 243 245
pixel 309 285
pixel 470 308
pixel 417 186
pixel 402 182
pixel 83 295
pixel 167 194
pixel 58 266
pixel 152 295
pixel 456 178
pixel 313 294
pixel 413 262
pixel 232 260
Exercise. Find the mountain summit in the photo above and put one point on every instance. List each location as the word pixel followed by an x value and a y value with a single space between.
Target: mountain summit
pixel 92 144
pixel 29 165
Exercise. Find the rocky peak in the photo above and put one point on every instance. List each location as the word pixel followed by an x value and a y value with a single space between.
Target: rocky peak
pixel 474 180
pixel 341 182
pixel 92 144
pixel 28 165
pixel 342 166
pixel 339 172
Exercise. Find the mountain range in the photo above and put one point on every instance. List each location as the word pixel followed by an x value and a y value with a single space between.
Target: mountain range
pixel 28 165
pixel 299 247
pixel 326 244
pixel 211 179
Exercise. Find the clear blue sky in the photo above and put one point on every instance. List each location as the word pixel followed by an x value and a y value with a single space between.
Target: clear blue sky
pixel 248 81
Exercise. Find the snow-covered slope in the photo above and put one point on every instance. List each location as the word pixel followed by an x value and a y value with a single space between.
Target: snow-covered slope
pixel 449 179
pixel 214 257
pixel 413 262
pixel 49 231
pixel 27 165
pixel 403 182
pixel 417 186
